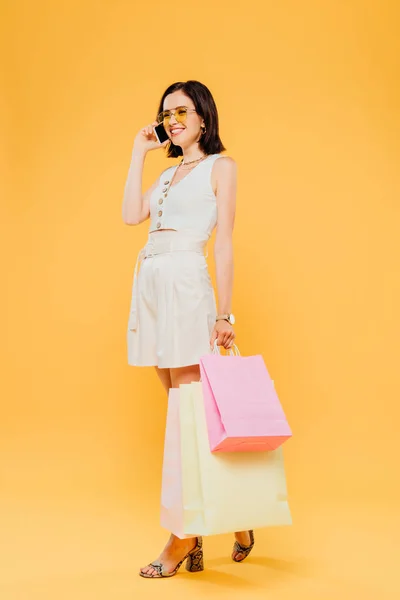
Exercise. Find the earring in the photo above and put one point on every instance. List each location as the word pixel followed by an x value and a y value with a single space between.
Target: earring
pixel 203 128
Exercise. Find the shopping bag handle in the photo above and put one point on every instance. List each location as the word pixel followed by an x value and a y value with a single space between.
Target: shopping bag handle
pixel 234 351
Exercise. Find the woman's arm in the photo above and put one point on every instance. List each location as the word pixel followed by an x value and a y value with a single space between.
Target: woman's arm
pixel 135 206
pixel 226 179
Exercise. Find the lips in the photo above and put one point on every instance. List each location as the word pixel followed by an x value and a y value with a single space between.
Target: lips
pixel 176 130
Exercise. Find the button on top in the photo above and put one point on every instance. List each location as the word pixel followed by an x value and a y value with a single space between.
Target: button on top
pixel 164 190
pixel 160 213
pixel 166 182
pixel 160 201
pixel 158 225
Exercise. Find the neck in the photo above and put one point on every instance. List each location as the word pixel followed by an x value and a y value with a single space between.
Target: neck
pixel 192 153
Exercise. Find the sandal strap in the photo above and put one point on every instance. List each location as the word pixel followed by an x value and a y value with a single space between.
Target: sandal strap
pixel 159 567
pixel 242 549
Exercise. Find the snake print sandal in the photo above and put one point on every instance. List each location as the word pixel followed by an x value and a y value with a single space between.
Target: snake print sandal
pixel 245 550
pixel 194 563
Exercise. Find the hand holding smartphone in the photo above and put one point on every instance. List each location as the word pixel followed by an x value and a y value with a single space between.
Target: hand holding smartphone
pixel 151 137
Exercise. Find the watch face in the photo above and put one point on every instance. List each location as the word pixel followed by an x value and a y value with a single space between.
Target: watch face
pixel 231 319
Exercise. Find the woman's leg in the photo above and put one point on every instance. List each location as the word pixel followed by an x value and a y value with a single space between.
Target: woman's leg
pixel 185 375
pixel 176 548
pixel 165 378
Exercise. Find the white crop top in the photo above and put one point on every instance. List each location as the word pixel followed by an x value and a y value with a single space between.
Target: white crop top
pixel 189 204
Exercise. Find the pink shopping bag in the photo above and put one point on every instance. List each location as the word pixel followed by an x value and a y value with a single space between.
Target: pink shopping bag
pixel 242 407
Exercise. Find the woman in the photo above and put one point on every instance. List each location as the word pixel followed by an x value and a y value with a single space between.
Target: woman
pixel 174 319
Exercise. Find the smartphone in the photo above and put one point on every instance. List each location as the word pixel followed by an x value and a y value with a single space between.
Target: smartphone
pixel 160 133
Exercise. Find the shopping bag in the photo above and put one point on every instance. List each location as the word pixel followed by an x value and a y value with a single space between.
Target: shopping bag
pixel 172 511
pixel 243 410
pixel 225 492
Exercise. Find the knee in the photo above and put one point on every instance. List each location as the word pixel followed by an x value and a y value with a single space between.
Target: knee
pixel 184 375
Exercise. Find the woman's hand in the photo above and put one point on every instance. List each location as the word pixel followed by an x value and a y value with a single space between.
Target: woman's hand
pixel 146 139
pixel 223 332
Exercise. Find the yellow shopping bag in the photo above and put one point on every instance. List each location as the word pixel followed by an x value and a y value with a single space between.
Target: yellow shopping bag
pixel 225 492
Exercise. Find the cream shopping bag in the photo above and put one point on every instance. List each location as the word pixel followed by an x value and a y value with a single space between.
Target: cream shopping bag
pixel 172 509
pixel 225 492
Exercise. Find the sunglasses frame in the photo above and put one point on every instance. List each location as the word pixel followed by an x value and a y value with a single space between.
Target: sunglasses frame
pixel 172 112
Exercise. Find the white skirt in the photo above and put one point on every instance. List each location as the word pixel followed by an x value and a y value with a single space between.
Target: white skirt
pixel 173 305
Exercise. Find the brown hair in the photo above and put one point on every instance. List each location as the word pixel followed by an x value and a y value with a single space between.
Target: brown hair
pixel 205 106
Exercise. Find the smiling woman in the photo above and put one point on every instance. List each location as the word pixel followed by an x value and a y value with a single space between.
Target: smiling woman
pixel 200 119
pixel 173 318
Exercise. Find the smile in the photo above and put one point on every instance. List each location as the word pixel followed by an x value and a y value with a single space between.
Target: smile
pixel 176 131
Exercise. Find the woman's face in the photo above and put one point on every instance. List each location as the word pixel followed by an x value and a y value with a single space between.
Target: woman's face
pixel 187 133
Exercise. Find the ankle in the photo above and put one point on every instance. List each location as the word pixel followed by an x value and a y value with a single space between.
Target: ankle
pixel 185 543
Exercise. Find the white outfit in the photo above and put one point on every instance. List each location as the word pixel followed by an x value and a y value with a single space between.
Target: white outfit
pixel 173 305
pixel 191 203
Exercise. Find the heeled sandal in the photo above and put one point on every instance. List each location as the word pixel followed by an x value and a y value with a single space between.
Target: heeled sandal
pixel 245 550
pixel 194 563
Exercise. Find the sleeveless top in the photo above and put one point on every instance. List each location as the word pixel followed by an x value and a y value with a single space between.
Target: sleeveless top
pixel 190 204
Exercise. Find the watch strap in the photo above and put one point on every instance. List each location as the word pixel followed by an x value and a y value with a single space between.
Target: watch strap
pixel 226 317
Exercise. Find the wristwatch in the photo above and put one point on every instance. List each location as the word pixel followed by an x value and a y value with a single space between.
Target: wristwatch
pixel 227 317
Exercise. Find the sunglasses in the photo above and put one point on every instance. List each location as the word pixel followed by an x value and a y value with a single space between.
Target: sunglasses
pixel 179 113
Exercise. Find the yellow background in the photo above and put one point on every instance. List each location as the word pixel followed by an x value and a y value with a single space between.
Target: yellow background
pixel 308 97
